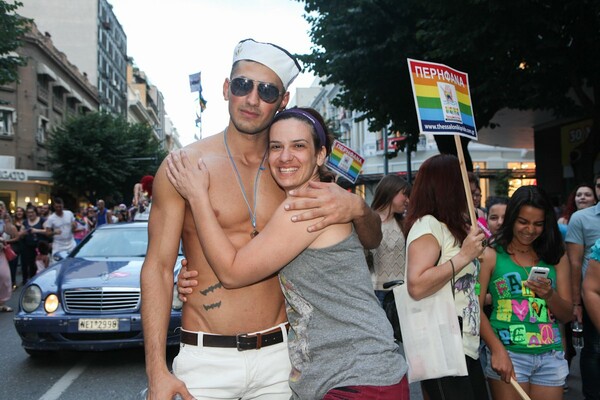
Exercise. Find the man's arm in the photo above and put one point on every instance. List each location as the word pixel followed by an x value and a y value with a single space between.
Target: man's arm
pixel 591 292
pixel 575 253
pixel 333 204
pixel 279 242
pixel 164 232
pixel 48 227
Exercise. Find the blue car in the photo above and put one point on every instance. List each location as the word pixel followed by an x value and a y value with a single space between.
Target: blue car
pixel 90 300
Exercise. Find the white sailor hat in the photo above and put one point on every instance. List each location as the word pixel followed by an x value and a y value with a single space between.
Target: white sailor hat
pixel 276 58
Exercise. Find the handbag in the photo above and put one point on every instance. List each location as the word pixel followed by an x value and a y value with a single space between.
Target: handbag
pixel 9 253
pixel 431 333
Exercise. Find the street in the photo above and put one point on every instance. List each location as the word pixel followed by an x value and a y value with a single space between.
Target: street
pixel 68 375
pixel 102 375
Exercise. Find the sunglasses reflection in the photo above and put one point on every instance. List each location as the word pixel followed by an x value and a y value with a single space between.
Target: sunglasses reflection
pixel 268 92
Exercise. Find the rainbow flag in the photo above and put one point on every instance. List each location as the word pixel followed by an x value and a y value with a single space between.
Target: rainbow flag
pixel 345 161
pixel 442 99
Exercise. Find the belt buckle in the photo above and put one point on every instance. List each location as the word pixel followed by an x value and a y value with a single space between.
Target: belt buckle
pixel 238 343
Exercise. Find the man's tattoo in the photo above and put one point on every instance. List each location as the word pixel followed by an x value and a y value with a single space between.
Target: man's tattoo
pixel 211 306
pixel 211 289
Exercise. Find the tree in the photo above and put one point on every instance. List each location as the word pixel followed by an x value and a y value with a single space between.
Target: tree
pixel 101 156
pixel 12 28
pixel 520 54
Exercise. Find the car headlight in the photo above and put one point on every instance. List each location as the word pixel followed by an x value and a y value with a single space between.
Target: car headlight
pixel 177 304
pixel 51 303
pixel 32 297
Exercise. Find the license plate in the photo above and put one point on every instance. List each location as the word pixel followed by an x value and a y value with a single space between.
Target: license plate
pixel 91 324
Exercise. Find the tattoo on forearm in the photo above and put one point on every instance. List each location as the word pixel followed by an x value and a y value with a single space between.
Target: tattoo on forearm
pixel 211 306
pixel 211 289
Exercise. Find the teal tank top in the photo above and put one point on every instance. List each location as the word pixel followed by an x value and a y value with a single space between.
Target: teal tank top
pixel 521 320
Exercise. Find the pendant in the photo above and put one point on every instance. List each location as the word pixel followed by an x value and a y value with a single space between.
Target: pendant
pixel 253 234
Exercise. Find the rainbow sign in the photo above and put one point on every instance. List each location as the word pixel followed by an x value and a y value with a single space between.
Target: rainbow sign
pixel 345 161
pixel 442 99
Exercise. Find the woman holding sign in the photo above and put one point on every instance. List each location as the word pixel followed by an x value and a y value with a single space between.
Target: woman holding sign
pixel 527 274
pixel 441 249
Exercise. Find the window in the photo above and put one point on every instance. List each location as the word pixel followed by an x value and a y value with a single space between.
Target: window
pixel 42 130
pixel 8 117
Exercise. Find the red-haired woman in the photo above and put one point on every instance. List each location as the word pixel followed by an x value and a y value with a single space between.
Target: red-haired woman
pixel 441 251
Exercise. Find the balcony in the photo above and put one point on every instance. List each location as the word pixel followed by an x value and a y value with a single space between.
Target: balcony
pixel 42 94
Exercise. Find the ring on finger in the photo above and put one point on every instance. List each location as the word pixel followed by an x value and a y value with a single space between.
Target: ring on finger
pixel 484 243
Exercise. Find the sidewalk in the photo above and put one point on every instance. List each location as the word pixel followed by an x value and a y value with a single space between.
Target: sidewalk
pixel 574 381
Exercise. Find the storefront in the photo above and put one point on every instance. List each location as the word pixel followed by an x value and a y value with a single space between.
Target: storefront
pixel 18 187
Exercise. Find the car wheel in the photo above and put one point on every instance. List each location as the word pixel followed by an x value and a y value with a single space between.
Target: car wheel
pixel 39 353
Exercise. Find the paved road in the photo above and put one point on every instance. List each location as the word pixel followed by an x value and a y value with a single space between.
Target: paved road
pixel 118 375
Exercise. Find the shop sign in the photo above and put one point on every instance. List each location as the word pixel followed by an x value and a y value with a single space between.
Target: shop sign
pixel 15 175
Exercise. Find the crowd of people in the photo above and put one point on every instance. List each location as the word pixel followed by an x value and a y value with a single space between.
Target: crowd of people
pixel 279 299
pixel 34 234
pixel 512 325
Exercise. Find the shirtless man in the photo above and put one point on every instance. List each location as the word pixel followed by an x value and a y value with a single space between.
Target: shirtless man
pixel 221 356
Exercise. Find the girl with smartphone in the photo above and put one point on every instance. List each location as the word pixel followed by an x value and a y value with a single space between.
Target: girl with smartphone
pixel 522 334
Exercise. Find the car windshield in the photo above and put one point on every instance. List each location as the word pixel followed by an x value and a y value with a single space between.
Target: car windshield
pixel 123 242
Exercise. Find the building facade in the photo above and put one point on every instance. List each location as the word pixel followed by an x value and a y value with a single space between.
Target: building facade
pixel 145 104
pixel 88 32
pixel 50 90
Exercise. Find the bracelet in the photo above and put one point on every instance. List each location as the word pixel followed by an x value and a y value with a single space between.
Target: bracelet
pixel 452 265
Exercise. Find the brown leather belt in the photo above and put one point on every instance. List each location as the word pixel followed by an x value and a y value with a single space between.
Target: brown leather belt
pixel 242 342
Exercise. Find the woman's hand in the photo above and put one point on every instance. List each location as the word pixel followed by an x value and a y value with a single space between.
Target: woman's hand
pixel 189 181
pixel 185 281
pixel 502 364
pixel 541 286
pixel 473 245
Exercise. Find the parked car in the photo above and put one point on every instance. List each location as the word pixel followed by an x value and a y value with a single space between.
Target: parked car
pixel 90 300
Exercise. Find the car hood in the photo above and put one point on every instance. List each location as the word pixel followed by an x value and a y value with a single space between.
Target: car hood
pixel 78 272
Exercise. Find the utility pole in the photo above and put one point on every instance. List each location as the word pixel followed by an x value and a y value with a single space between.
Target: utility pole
pixel 385 150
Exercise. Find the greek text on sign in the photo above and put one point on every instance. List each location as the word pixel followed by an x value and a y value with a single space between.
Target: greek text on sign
pixel 442 99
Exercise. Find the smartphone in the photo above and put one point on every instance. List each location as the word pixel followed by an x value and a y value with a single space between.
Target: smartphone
pixel 538 272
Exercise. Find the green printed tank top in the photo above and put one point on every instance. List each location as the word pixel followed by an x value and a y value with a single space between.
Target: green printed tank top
pixel 521 320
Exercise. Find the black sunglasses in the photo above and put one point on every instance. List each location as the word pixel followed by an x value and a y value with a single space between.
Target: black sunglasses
pixel 267 92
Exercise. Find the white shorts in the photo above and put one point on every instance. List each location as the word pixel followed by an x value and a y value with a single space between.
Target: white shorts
pixel 225 373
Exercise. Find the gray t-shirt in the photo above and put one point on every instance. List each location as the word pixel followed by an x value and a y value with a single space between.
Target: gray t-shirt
pixel 339 334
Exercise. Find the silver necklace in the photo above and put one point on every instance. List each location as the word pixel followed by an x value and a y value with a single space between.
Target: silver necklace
pixel 251 210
